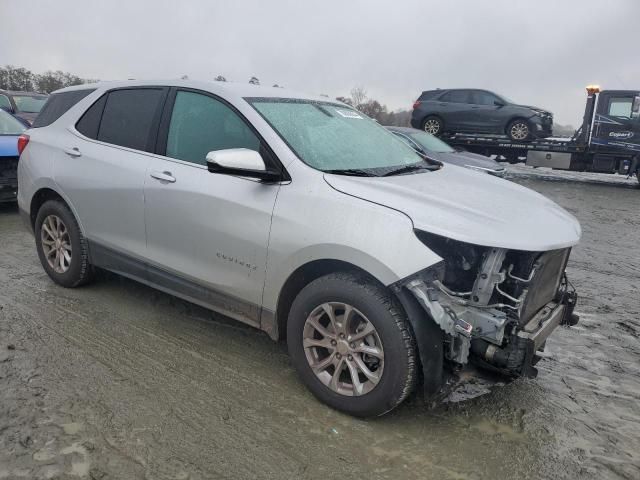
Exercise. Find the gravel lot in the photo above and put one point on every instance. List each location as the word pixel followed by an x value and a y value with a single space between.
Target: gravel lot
pixel 118 381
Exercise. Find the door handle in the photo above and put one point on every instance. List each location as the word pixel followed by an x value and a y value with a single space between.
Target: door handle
pixel 163 176
pixel 73 152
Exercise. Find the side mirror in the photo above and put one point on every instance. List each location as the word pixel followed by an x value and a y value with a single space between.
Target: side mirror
pixel 498 103
pixel 241 162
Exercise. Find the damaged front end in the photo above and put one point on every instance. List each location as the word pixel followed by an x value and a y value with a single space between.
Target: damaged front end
pixel 495 307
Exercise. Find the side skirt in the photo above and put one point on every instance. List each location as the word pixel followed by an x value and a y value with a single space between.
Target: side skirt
pixel 176 285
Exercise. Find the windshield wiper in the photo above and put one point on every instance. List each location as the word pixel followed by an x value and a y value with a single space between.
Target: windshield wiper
pixel 411 168
pixel 354 172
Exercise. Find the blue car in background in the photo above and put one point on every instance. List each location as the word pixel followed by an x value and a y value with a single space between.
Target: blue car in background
pixel 10 130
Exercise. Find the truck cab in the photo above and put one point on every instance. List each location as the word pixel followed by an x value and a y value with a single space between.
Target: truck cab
pixel 616 122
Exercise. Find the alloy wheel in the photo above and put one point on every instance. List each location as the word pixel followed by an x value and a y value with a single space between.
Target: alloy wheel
pixel 343 349
pixel 519 131
pixel 432 126
pixel 56 243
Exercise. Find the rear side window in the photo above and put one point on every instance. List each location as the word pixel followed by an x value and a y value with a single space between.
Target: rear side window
pixel 128 116
pixel 123 117
pixel 57 105
pixel 457 96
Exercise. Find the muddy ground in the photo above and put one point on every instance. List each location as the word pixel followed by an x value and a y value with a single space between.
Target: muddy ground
pixel 118 381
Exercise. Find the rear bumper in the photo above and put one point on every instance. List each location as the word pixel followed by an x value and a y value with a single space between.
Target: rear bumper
pixel 8 193
pixel 26 220
pixel 416 119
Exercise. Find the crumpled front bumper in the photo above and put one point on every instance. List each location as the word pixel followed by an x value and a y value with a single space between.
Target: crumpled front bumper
pixel 466 331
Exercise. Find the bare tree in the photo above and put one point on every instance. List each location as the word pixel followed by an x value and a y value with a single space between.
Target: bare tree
pixel 358 96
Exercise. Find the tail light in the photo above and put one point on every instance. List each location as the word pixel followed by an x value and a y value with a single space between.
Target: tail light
pixel 23 140
pixel 416 104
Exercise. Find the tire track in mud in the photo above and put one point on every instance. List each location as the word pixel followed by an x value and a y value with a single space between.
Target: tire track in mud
pixel 144 358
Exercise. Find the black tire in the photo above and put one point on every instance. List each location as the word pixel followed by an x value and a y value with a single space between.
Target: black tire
pixel 433 125
pixel 519 130
pixel 382 310
pixel 79 269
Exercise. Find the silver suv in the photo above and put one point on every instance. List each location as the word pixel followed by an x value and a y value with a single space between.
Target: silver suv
pixel 304 218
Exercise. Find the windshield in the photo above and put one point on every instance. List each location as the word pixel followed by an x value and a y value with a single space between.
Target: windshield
pixel 29 103
pixel 9 125
pixel 430 143
pixel 332 137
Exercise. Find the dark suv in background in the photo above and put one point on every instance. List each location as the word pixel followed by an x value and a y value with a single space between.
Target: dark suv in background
pixel 478 111
pixel 23 105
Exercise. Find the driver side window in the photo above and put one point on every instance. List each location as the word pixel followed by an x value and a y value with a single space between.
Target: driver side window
pixel 620 107
pixel 200 124
pixel 483 98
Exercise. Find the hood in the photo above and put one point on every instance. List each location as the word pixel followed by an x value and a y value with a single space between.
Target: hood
pixel 536 109
pixel 8 145
pixel 471 207
pixel 466 159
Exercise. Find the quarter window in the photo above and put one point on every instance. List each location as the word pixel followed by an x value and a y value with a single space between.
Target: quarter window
pixel 620 107
pixel 127 117
pixel 57 105
pixel 457 96
pixel 201 124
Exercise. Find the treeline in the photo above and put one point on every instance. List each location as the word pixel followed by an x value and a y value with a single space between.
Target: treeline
pixel 21 79
pixel 359 99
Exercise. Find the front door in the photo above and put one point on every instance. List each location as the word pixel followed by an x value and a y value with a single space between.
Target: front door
pixel 616 124
pixel 207 233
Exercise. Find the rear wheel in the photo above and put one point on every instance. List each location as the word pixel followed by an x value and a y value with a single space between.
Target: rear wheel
pixel 63 250
pixel 432 125
pixel 352 345
pixel 519 130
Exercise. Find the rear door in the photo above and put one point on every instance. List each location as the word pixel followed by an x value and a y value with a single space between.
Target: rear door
pixel 207 233
pixel 102 169
pixel 455 106
pixel 617 121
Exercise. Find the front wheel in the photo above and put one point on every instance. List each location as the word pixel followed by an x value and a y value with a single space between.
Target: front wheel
pixel 352 345
pixel 519 130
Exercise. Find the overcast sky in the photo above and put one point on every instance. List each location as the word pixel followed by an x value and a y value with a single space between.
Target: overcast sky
pixel 540 53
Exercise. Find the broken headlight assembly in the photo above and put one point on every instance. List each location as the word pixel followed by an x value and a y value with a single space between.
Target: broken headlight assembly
pixel 496 306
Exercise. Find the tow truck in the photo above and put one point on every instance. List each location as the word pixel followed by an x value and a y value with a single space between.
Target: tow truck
pixel 608 141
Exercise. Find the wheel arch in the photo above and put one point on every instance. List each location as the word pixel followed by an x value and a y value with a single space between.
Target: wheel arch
pixel 300 278
pixel 44 194
pixel 438 116
pixel 512 119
